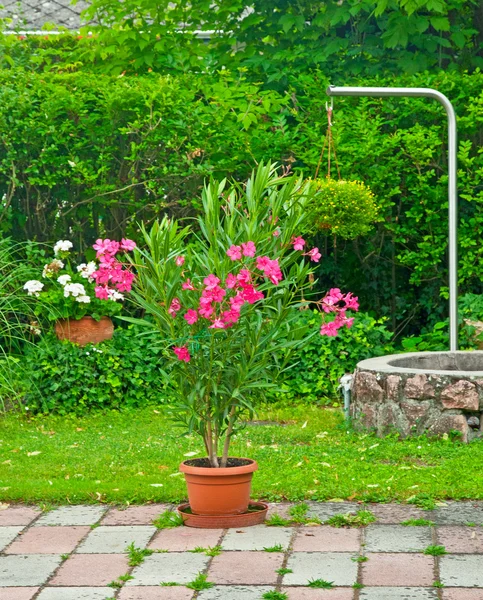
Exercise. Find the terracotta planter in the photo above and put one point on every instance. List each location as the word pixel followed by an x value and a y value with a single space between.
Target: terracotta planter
pixel 219 491
pixel 84 331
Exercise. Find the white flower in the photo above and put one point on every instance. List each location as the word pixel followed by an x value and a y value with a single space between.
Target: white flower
pixel 64 279
pixel 74 289
pixel 113 295
pixel 83 299
pixel 53 267
pixel 62 246
pixel 33 287
pixel 86 270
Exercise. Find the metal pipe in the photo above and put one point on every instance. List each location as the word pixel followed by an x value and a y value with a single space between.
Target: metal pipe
pixel 452 182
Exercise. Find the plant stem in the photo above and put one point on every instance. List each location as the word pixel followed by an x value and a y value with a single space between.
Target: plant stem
pixel 228 434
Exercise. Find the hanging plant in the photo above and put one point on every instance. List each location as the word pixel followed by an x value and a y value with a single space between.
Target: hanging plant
pixel 345 209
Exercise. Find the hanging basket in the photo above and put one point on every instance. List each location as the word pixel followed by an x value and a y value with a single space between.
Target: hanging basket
pixel 84 331
pixel 346 209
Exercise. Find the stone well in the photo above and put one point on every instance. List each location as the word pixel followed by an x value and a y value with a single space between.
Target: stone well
pixel 434 392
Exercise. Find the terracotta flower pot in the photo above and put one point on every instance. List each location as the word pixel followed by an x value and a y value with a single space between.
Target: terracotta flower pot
pixel 84 331
pixel 219 491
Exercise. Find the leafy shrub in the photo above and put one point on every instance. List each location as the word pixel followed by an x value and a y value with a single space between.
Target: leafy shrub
pixel 67 378
pixel 323 360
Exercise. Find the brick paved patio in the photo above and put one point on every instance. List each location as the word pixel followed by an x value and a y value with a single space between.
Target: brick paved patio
pixel 75 552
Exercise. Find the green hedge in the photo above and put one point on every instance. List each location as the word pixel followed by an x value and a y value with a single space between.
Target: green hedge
pixel 106 152
pixel 315 373
pixel 67 378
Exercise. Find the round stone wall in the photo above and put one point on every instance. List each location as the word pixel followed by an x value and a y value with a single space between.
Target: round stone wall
pixel 433 392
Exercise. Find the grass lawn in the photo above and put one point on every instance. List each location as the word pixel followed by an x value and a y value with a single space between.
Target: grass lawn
pixel 306 453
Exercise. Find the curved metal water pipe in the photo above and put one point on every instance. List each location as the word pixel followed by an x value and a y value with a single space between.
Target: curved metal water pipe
pixel 452 182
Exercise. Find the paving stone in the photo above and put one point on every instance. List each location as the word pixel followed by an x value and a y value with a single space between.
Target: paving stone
pixel 18 593
pixel 72 515
pixel 279 508
pixel 397 538
pixel 462 571
pixel 94 570
pixel 462 594
pixel 457 539
pixel 337 567
pixel 7 535
pixel 113 539
pixel 162 568
pixel 300 593
pixel 327 539
pixel 18 515
pixel 155 593
pixel 76 593
pixel 396 513
pixel 48 540
pixel 395 570
pixel 235 592
pixel 324 511
pixel 397 593
pixel 459 513
pixel 27 570
pixel 180 539
pixel 135 515
pixel 257 538
pixel 245 568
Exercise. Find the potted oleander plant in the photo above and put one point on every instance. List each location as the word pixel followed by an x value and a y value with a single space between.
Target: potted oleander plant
pixel 81 299
pixel 220 294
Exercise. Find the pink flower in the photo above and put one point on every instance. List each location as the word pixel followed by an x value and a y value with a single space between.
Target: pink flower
pixel 179 261
pixel 217 324
pixel 231 281
pixel 271 269
pixel 230 316
pixel 244 276
pixel 351 302
pixel 298 243
pixel 330 329
pixel 106 247
pixel 127 245
pixel 314 254
pixel 217 294
pixel 262 262
pixel 331 300
pixel 182 353
pixel 234 252
pixel 211 281
pixel 237 302
pixel 187 285
pixel 175 307
pixel 205 310
pixel 191 316
pixel 276 233
pixel 251 295
pixel 102 292
pixel 249 249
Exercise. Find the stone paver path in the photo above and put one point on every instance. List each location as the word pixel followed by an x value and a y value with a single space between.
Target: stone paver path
pixel 79 553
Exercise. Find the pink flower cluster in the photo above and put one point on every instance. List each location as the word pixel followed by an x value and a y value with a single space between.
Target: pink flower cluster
pixel 221 302
pixel 299 243
pixel 111 277
pixel 337 302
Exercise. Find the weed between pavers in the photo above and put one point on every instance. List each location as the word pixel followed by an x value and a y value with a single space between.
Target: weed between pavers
pixel 169 583
pixel 167 520
pixel 435 550
pixel 210 551
pixel 298 516
pixel 359 519
pixel 438 584
pixel 358 586
pixel 320 584
pixel 274 596
pixel 283 571
pixel 200 583
pixel 137 555
pixel 418 523
pixel 276 548
pixel 120 581
pixel 359 559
